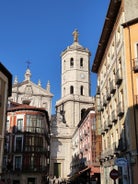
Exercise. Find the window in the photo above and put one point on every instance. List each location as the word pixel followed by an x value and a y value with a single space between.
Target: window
pixel 19 124
pixel 17 162
pixel 71 90
pixel 57 169
pixel 18 144
pixel 5 162
pixel 118 36
pixel 7 143
pixel 81 90
pixel 112 50
pixel 71 62
pixel 35 123
pixel 8 126
pixel 81 62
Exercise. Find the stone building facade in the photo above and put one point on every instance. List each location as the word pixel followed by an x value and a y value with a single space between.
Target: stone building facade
pixel 31 93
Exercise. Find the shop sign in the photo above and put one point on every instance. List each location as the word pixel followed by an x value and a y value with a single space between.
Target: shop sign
pixel 121 162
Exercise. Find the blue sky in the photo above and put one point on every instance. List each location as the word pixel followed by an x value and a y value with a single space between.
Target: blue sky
pixel 39 30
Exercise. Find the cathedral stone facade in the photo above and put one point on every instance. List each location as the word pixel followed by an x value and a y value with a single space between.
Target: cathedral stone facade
pixel 27 92
pixel 75 97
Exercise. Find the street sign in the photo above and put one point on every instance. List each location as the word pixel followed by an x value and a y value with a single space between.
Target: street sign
pixel 121 162
pixel 114 174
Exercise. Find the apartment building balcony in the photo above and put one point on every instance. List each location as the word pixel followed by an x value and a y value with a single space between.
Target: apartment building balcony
pixel 85 132
pixel 110 123
pixel 114 116
pixel 106 128
pixel 104 101
pixel 33 168
pixel 102 156
pixel 81 138
pixel 120 109
pixel 118 77
pixel 108 95
pixel 105 154
pixel 135 65
pixel 102 131
pixel 112 86
pixel 86 147
pixel 110 152
pixel 100 108
pixel 98 90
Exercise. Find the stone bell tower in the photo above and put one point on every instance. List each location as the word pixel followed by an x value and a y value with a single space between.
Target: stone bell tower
pixel 75 82
pixel 75 97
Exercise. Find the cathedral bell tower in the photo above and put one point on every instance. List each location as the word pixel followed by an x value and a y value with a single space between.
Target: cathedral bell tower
pixel 75 97
pixel 75 82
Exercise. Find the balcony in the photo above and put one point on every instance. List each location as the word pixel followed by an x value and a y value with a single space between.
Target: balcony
pixel 135 65
pixel 114 116
pixel 86 147
pixel 106 128
pixel 100 108
pixel 85 132
pixel 104 101
pixel 111 152
pixel 108 95
pixel 81 138
pixel 112 86
pixel 109 122
pixel 102 131
pixel 118 77
pixel 120 109
pixel 98 90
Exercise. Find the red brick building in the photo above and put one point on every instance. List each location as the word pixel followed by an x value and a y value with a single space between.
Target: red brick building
pixel 26 149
